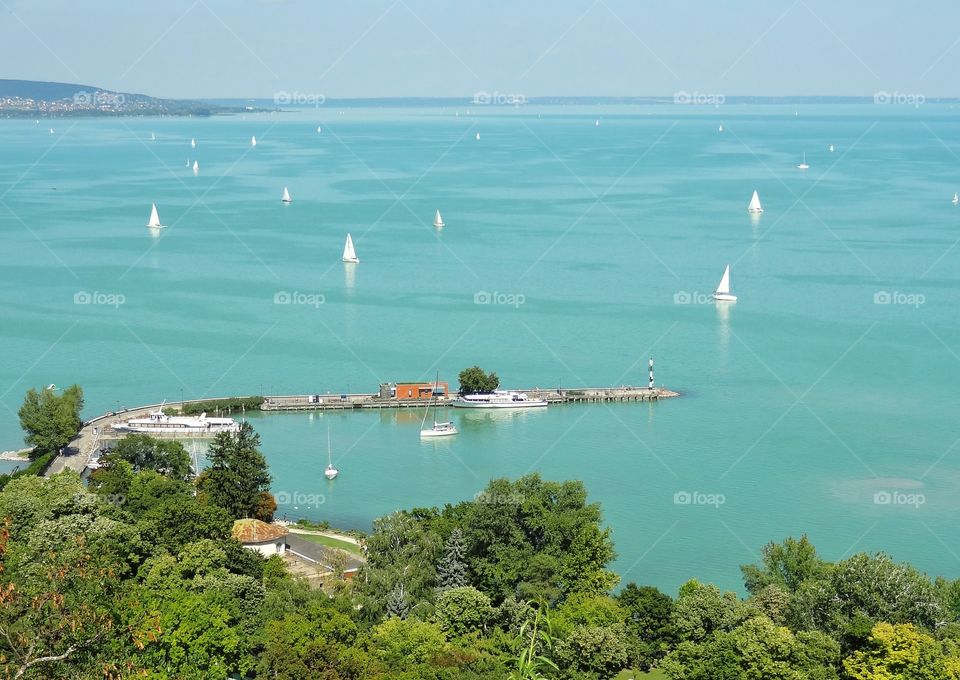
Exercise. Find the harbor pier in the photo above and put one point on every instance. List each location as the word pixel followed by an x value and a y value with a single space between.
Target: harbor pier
pixel 97 433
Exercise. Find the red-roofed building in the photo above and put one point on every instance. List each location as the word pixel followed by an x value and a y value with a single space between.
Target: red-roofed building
pixel 267 539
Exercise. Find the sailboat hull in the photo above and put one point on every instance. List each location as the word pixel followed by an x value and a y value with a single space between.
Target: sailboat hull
pixel 432 434
pixel 724 297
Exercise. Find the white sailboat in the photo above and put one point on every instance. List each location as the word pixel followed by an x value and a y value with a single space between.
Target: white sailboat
pixel 253 141
pixel 51 131
pixel 153 137
pixel 803 164
pixel 831 148
pixel 154 222
pixel 720 129
pixel 722 292
pixel 318 129
pixel 331 472
pixel 349 254
pixel 755 206
pixel 478 136
pixel 193 143
pixel 286 196
pixel 437 220
pixel 956 198
pixel 196 167
pixel 446 429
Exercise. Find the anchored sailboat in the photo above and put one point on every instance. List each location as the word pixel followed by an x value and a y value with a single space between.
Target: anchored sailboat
pixel 253 141
pixel 349 254
pixel 193 143
pixel 154 222
pixel 956 198
pixel 286 196
pixel 723 290
pixel 803 164
pixel 331 472
pixel 755 206
pixel 196 167
pixel 446 429
pixel 437 220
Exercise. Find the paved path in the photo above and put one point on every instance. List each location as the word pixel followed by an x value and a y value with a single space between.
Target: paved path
pixel 317 552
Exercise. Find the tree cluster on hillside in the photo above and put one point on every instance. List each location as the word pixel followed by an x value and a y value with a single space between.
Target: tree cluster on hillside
pixel 51 420
pixel 137 575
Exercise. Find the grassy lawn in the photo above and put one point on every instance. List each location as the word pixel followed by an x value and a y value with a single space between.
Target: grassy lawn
pixel 333 543
pixel 640 675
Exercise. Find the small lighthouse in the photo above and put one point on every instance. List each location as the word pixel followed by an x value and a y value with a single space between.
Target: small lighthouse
pixel 651 373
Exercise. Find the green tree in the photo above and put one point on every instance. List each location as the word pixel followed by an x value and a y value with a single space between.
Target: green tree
pixel 785 565
pixel 143 452
pixel 475 380
pixel 702 610
pixel 462 610
pixel 237 475
pixel 757 649
pixel 536 539
pixel 318 642
pixel 902 652
pixel 649 625
pixel 51 420
pixel 601 650
pixel 452 568
pixel 399 643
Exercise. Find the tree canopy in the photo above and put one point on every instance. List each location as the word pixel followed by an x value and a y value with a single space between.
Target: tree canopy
pixel 51 420
pixel 475 380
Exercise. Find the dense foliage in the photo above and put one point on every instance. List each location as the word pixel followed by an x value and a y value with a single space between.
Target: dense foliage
pixel 51 420
pixel 136 575
pixel 222 406
pixel 475 380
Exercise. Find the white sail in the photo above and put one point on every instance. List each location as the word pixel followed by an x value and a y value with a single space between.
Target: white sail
pixel 956 198
pixel 723 288
pixel 193 143
pixel 755 206
pixel 349 254
pixel 196 167
pixel 153 137
pixel 253 141
pixel 478 136
pixel 154 217
pixel 286 196
pixel 720 129
pixel 437 220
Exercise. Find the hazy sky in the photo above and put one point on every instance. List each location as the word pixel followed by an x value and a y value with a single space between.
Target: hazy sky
pixel 377 48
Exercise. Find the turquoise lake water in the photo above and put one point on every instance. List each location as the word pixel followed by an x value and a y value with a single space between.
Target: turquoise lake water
pixel 800 403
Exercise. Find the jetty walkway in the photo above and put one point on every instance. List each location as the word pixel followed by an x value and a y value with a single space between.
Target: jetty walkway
pixel 97 431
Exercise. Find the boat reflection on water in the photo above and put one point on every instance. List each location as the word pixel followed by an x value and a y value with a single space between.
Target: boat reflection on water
pixel 472 419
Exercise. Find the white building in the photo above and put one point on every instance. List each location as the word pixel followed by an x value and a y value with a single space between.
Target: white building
pixel 267 539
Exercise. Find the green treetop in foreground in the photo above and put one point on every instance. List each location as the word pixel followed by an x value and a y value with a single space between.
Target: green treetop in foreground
pixel 474 380
pixel 137 576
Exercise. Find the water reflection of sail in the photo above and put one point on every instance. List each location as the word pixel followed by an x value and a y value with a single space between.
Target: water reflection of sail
pixel 349 276
pixel 723 329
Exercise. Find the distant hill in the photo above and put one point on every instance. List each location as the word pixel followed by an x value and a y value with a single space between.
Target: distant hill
pixel 29 98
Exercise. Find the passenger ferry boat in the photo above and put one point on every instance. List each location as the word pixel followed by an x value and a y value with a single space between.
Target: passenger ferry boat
pixel 158 421
pixel 498 399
